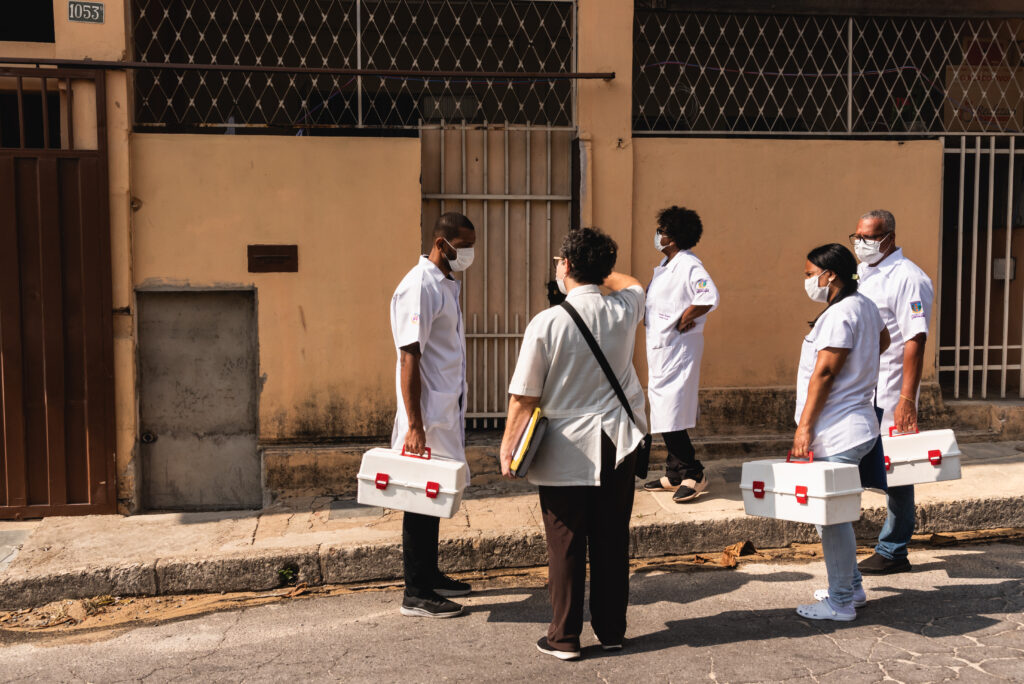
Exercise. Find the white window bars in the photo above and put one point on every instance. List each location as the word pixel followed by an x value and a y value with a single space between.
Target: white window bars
pixel 737 74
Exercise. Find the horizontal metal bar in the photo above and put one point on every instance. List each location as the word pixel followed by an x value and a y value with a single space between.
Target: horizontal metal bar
pixel 316 71
pixel 993 369
pixel 493 127
pixel 980 348
pixel 470 416
pixel 493 336
pixel 816 134
pixel 956 150
pixel 497 198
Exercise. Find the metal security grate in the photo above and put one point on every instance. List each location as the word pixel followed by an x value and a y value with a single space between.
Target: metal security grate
pixel 822 75
pixel 395 35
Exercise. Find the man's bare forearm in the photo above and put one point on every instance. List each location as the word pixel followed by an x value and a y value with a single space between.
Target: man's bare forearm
pixel 913 364
pixel 412 387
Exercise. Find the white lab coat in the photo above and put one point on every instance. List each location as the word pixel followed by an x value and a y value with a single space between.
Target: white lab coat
pixel 673 358
pixel 425 309
pixel 903 294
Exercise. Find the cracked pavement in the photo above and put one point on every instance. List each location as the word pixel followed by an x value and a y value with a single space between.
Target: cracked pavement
pixel 958 617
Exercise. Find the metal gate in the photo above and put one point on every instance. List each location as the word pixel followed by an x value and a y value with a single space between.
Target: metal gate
pixel 516 184
pixel 56 335
pixel 981 312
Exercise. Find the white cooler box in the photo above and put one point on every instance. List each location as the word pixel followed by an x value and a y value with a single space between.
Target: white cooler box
pixel 406 482
pixel 920 457
pixel 803 491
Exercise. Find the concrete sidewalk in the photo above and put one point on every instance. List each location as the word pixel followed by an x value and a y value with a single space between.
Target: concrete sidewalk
pixel 326 541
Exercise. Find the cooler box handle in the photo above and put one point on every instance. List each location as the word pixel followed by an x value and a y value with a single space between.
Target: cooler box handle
pixel 893 432
pixel 410 455
pixel 810 457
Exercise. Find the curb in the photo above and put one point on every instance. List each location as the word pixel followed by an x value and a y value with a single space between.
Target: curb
pixel 336 564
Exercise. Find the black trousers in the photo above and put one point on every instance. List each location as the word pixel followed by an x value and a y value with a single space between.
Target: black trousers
pixel 578 518
pixel 681 462
pixel 419 554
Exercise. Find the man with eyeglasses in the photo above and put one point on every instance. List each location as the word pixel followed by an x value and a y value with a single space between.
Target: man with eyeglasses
pixel 903 294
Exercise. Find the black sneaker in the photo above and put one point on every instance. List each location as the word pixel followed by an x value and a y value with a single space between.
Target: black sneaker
pixel 449 588
pixel 544 647
pixel 435 607
pixel 690 489
pixel 877 564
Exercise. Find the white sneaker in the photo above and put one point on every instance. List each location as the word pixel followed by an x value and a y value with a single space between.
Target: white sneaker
pixel 860 598
pixel 824 610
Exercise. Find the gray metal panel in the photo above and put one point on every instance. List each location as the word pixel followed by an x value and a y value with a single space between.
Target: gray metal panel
pixel 198 374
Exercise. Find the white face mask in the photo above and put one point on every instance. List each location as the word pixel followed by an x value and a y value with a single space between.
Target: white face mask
pixel 561 285
pixel 817 293
pixel 463 258
pixel 870 251
pixel 657 241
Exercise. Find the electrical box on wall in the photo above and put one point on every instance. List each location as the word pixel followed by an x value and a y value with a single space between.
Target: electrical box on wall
pixel 273 258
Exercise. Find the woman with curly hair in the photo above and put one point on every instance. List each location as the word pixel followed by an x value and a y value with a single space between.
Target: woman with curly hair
pixel 585 463
pixel 680 296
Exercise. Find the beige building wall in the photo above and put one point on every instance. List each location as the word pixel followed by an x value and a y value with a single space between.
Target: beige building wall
pixel 352 205
pixel 765 204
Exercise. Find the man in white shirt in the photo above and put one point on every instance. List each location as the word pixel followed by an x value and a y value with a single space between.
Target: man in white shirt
pixel 430 382
pixel 586 461
pixel 903 294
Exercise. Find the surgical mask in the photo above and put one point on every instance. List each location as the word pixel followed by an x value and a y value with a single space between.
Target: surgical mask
pixel 868 251
pixel 561 285
pixel 817 293
pixel 463 258
pixel 657 241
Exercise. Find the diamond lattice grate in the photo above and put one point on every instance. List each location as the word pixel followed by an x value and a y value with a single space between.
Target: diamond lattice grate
pixel 441 35
pixel 765 74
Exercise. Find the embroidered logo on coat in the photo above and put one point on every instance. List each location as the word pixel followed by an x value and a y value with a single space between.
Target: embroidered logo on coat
pixel 916 307
pixel 702 285
pixel 415 319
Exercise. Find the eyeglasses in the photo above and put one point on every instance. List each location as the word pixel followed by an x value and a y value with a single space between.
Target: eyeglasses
pixel 858 239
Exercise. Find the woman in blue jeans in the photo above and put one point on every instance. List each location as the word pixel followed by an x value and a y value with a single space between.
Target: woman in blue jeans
pixel 835 411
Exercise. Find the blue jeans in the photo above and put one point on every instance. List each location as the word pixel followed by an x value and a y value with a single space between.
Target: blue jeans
pixel 838 542
pixel 899 524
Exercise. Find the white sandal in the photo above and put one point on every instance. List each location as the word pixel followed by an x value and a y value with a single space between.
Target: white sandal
pixel 823 610
pixel 859 600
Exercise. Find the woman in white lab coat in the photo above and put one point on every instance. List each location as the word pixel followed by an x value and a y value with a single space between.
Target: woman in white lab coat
pixel 679 297
pixel 835 408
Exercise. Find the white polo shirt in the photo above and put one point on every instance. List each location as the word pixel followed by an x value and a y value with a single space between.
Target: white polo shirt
pixel 556 365
pixel 903 294
pixel 425 309
pixel 848 418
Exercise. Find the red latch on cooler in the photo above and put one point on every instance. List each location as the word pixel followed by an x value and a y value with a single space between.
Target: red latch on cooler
pixel 432 490
pixel 382 480
pixel 888 464
pixel 801 494
pixel 935 457
pixel 758 488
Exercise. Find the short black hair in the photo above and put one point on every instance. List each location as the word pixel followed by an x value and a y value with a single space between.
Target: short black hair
pixel 449 224
pixel 591 255
pixel 681 225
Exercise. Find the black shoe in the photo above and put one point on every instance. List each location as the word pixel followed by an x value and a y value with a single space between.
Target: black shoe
pixel 690 489
pixel 877 564
pixel 544 647
pixel 449 588
pixel 434 607
pixel 662 484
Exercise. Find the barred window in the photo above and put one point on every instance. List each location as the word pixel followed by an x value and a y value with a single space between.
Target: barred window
pixel 772 74
pixel 395 35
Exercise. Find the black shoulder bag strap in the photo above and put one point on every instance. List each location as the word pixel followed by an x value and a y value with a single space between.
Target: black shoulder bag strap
pixel 643 451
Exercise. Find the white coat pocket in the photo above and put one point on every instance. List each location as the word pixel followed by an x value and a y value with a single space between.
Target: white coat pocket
pixel 440 409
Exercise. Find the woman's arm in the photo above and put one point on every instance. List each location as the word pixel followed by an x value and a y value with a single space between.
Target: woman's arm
pixel 520 408
pixel 829 362
pixel 690 316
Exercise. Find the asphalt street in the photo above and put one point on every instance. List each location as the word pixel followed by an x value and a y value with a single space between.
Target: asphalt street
pixel 958 617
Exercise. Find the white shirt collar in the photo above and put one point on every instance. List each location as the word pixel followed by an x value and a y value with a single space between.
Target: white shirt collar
pixel 887 264
pixel 583 290
pixel 431 268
